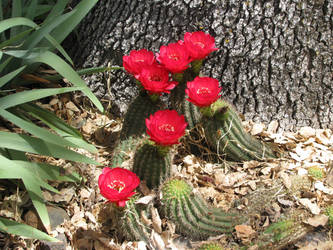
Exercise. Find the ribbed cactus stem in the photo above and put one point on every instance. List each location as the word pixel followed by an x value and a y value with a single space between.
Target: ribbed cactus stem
pixel 131 223
pixel 196 66
pixel 210 246
pixel 151 166
pixel 225 133
pixel 191 214
pixel 134 121
pixel 123 150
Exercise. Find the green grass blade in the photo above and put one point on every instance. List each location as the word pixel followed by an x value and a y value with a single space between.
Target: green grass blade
pixel 16 38
pixel 57 9
pixel 67 72
pixel 16 21
pixel 45 29
pixel 50 172
pixel 87 71
pixel 5 63
pixel 81 10
pixel 31 95
pixel 13 227
pixel 59 126
pixel 35 130
pixel 6 78
pixel 50 119
pixel 33 145
pixel 31 10
pixel 56 45
pixel 16 12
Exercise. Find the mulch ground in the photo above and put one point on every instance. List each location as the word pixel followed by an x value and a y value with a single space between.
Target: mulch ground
pixel 307 152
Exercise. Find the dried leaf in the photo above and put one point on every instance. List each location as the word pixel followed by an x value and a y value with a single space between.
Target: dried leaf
pixel 317 220
pixel 245 232
pixel 257 128
pixel 311 206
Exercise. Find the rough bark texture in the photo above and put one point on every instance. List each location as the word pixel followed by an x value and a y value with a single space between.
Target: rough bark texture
pixel 274 61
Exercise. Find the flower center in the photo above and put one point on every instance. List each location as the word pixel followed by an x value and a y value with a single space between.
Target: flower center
pixel 203 91
pixel 174 57
pixel 200 44
pixel 139 60
pixel 167 127
pixel 117 185
pixel 155 78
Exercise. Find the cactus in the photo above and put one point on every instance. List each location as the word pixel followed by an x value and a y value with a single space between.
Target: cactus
pixel 191 214
pixel 210 246
pixel 316 172
pixel 131 223
pixel 134 121
pixel 151 166
pixel 123 149
pixel 179 102
pixel 329 213
pixel 225 133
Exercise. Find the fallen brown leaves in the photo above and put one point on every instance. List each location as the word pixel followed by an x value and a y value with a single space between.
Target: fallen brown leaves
pixel 91 223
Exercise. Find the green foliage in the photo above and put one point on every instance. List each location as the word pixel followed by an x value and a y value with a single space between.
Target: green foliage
pixel 210 246
pixel 280 230
pixel 30 34
pixel 329 213
pixel 191 214
pixel 316 172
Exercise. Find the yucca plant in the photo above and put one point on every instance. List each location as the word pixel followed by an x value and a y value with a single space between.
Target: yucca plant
pixel 30 35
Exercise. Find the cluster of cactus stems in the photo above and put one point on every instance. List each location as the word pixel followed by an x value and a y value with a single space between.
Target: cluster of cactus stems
pixel 191 214
pixel 224 133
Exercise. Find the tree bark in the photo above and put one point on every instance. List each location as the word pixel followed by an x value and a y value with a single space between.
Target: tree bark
pixel 274 60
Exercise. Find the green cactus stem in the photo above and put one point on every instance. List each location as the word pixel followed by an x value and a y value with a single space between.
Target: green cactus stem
pixel 225 134
pixel 191 214
pixel 140 109
pixel 196 66
pixel 151 166
pixel 178 102
pixel 210 246
pixel 124 148
pixel 329 213
pixel 131 223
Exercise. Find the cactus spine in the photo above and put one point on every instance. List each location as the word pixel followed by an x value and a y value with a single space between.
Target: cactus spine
pixel 122 151
pixel 131 223
pixel 151 166
pixel 225 133
pixel 191 214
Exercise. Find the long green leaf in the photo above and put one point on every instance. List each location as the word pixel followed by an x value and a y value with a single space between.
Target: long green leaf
pixel 13 227
pixel 31 95
pixel 35 130
pixel 57 9
pixel 81 10
pixel 50 119
pixel 16 38
pixel 33 145
pixel 5 79
pixel 87 71
pixel 50 172
pixel 59 126
pixel 16 21
pixel 67 72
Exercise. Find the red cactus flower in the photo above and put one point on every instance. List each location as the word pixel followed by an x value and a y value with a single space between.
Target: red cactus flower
pixel 165 127
pixel 174 57
pixel 203 91
pixel 117 185
pixel 199 44
pixel 136 60
pixel 155 79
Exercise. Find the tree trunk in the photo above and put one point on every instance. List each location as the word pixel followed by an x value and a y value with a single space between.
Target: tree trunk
pixel 274 60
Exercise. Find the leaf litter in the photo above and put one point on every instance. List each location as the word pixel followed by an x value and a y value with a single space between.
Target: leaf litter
pixel 92 220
